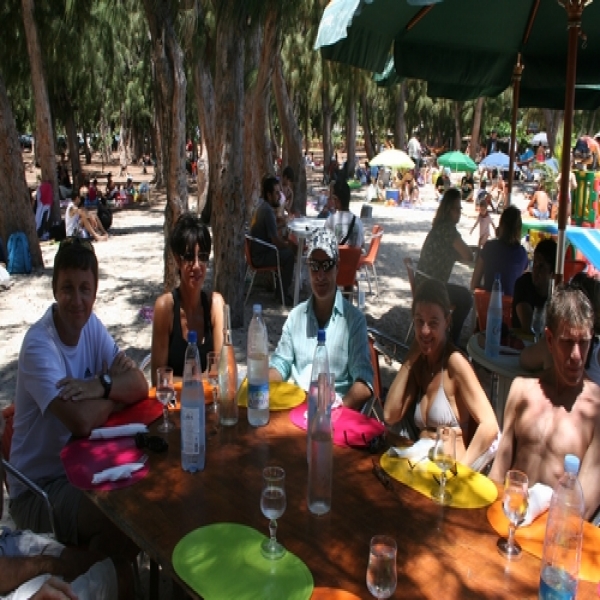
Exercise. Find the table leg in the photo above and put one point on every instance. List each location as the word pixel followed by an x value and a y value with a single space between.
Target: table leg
pixel 154 580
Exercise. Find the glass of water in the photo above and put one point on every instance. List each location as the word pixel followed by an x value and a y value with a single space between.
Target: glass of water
pixel 381 572
pixel 165 393
pixel 273 504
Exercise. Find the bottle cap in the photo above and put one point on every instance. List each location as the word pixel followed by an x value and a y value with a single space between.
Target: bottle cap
pixel 571 464
pixel 257 308
pixel 321 336
pixel 192 337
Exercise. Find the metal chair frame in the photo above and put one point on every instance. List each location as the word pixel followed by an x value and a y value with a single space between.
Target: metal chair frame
pixel 253 270
pixel 371 256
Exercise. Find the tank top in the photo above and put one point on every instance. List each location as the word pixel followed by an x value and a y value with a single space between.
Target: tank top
pixel 177 343
pixel 72 221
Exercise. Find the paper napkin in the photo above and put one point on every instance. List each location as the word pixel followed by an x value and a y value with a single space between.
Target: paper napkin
pixel 104 433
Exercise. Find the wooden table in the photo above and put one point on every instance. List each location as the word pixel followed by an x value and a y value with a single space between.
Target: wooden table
pixel 442 553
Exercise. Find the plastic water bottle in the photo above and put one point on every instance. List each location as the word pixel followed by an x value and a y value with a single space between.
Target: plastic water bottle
pixel 258 370
pixel 361 292
pixel 228 407
pixel 564 537
pixel 493 330
pixel 320 365
pixel 193 437
pixel 320 464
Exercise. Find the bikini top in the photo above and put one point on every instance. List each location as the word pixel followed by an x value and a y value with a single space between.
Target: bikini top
pixel 440 412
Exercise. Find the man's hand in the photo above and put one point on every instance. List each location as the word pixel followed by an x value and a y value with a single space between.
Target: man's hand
pixel 79 389
pixel 121 364
pixel 54 589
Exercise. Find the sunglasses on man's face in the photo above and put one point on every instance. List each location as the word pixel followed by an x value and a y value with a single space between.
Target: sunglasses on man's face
pixel 326 265
pixel 190 257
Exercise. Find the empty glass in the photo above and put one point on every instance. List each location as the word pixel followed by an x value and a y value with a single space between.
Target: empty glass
pixel 273 504
pixel 514 503
pixel 165 393
pixel 381 571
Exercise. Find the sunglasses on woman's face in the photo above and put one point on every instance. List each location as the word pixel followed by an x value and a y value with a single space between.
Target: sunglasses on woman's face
pixel 191 257
pixel 326 265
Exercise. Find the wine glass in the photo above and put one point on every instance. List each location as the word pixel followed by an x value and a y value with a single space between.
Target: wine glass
pixel 272 505
pixel 443 454
pixel 514 504
pixel 212 373
pixel 381 572
pixel 165 393
pixel 538 322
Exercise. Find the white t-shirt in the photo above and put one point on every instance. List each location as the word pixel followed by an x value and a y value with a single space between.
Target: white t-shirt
pixel 39 435
pixel 339 223
pixel 72 220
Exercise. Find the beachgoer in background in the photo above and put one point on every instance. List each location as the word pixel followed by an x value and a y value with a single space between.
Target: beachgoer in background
pixel 484 220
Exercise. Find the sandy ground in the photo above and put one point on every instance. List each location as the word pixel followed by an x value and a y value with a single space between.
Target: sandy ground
pixel 131 275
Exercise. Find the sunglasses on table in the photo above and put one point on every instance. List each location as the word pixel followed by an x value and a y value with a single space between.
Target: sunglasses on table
pixel 325 265
pixel 191 257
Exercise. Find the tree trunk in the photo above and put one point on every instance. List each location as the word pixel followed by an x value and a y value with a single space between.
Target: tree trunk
pixel 73 143
pixel 327 112
pixel 43 118
pixel 554 122
pixel 476 129
pixel 86 147
pixel 170 84
pixel 400 137
pixel 15 202
pixel 275 149
pixel 351 128
pixel 457 106
pixel 291 134
pixel 366 124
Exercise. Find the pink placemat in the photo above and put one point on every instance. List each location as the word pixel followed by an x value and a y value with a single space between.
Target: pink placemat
pixel 349 426
pixel 145 411
pixel 83 458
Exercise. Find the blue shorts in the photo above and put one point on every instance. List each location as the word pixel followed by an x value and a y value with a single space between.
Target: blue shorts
pixel 541 215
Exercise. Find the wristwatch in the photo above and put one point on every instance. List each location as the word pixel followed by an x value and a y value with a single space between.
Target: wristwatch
pixel 106 381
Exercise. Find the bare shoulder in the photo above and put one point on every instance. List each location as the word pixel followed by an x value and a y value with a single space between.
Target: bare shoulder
pixel 217 302
pixel 163 306
pixel 591 395
pixel 458 364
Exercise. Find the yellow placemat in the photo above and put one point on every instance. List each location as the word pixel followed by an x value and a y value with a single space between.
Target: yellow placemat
pixel 282 395
pixel 469 489
pixel 531 539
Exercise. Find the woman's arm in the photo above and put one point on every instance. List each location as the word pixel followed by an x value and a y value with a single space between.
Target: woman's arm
pixel 161 331
pixel 470 394
pixel 216 319
pixel 403 390
pixel 477 273
pixel 464 252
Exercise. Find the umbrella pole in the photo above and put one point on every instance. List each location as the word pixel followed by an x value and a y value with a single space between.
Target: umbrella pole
pixel 517 71
pixel 574 10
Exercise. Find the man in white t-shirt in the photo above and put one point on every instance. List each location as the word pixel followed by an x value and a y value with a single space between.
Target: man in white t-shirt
pixel 347 227
pixel 71 377
pixel 414 150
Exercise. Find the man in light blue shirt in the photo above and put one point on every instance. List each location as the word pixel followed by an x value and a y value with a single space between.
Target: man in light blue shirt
pixel 344 324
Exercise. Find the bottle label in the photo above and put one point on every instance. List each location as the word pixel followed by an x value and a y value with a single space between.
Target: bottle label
pixel 190 430
pixel 258 396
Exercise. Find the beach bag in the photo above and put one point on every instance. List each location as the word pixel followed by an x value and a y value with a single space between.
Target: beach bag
pixel 19 258
pixel 105 216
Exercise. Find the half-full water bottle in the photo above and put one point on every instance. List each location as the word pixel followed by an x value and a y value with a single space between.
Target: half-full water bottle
pixel 258 369
pixel 564 537
pixel 193 440
pixel 228 407
pixel 493 331
pixel 320 365
pixel 320 462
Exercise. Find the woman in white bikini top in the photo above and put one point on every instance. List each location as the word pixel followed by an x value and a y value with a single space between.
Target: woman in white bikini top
pixel 437 381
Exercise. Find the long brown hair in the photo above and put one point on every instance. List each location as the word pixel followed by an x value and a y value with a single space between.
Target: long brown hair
pixel 445 208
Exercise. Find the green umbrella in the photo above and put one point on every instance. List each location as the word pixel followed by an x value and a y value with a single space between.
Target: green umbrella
pixel 394 159
pixel 457 161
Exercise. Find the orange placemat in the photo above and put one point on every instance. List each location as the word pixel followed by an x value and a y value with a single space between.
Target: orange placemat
pixel 208 396
pixel 531 539
pixel 323 593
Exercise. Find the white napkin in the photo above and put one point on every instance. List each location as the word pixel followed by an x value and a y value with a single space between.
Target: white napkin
pixel 417 451
pixel 539 502
pixel 116 473
pixel 104 433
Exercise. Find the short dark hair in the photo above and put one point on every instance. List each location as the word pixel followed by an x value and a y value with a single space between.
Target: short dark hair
pixel 189 231
pixel 569 304
pixel 432 291
pixel 547 250
pixel 288 173
pixel 75 253
pixel 268 185
pixel 342 191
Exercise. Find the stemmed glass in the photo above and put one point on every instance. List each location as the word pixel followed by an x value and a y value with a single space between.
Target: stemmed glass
pixel 538 322
pixel 165 393
pixel 514 504
pixel 273 504
pixel 212 373
pixel 381 571
pixel 443 454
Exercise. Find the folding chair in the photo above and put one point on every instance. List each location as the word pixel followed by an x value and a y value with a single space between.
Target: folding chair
pixel 253 269
pixel 368 260
pixel 347 268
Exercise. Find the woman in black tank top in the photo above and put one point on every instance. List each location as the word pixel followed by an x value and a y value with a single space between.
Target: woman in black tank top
pixel 187 308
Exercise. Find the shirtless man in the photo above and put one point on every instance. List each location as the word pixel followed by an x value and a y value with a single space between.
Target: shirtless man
pixel 539 204
pixel 559 413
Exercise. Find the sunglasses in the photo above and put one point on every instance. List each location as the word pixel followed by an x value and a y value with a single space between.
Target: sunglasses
pixel 382 476
pixel 326 265
pixel 76 241
pixel 190 258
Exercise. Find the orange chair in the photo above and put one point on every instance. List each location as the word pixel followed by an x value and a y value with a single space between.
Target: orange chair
pixel 482 301
pixel 572 267
pixel 368 260
pixel 254 269
pixel 347 268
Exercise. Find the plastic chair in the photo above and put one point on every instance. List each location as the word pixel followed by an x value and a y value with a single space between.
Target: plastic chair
pixel 254 269
pixel 347 268
pixel 572 267
pixel 481 300
pixel 368 260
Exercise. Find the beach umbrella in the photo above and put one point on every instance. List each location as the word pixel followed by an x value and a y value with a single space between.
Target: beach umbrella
pixel 394 159
pixel 496 160
pixel 457 161
pixel 540 138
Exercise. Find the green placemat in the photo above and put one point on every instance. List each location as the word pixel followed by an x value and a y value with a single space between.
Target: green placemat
pixel 223 561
